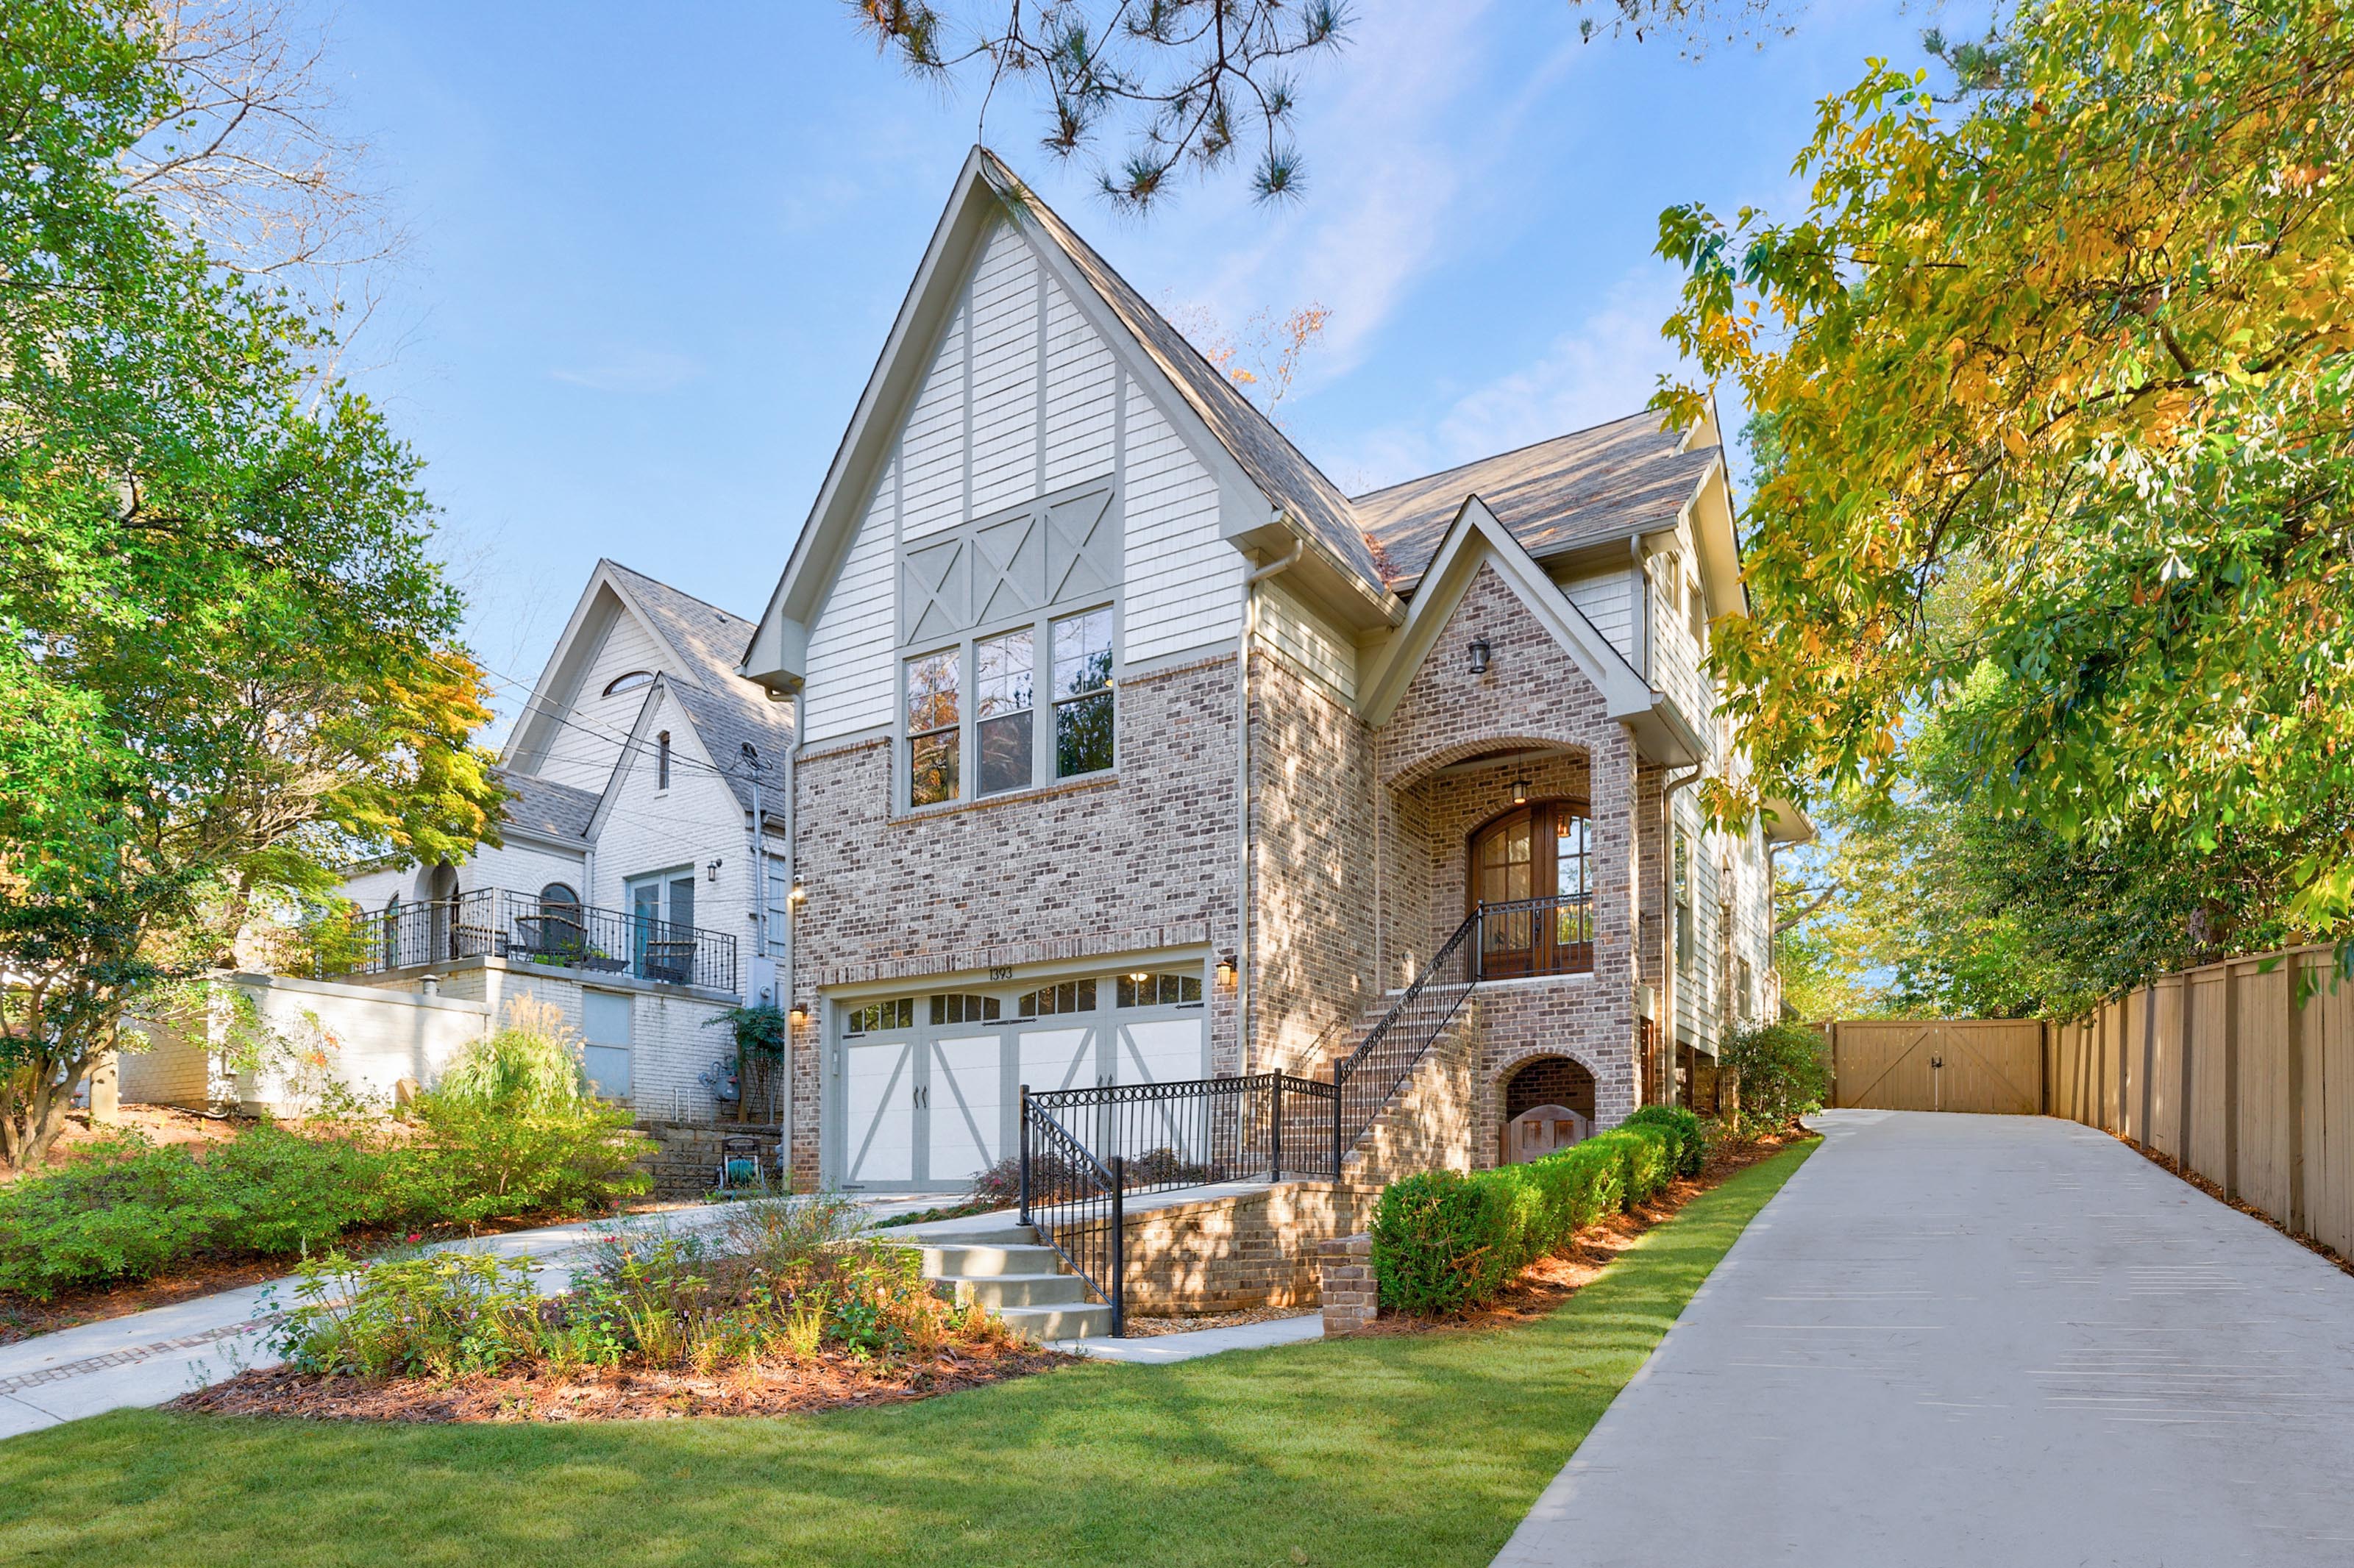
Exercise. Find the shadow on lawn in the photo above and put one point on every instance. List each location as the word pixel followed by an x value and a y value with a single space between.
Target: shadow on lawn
pixel 1415 1450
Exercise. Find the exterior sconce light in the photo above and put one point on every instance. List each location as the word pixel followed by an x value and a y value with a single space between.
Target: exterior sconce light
pixel 1519 791
pixel 1227 968
pixel 711 872
pixel 1478 655
pixel 799 895
pixel 799 1014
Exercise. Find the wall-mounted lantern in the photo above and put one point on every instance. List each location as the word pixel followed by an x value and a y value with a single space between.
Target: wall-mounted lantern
pixel 1519 791
pixel 799 895
pixel 1478 655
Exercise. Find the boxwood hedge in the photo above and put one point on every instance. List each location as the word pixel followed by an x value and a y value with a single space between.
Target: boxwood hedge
pixel 1445 1240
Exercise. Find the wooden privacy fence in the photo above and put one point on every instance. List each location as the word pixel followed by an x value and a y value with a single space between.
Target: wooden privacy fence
pixel 2243 1072
pixel 1985 1065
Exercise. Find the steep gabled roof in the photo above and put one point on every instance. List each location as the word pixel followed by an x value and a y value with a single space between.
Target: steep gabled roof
pixel 1630 476
pixel 1279 469
pixel 725 709
pixel 707 640
pixel 543 806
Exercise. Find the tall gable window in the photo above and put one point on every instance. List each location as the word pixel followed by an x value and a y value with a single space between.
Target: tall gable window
pixel 661 760
pixel 989 614
pixel 932 728
pixel 1002 716
pixel 1083 697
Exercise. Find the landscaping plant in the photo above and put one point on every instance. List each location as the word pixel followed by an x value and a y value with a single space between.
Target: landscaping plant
pixel 1780 1073
pixel 1446 1242
pixel 781 1281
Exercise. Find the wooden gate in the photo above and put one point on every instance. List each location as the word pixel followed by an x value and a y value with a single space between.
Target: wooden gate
pixel 1986 1065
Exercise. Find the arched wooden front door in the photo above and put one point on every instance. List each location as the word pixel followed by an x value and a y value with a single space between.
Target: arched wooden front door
pixel 1532 871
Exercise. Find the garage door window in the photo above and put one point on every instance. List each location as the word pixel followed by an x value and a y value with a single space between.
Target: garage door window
pixel 1160 990
pixel 964 1008
pixel 1071 996
pixel 873 1018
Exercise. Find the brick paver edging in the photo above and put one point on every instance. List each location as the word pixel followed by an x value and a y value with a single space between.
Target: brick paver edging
pixel 131 1354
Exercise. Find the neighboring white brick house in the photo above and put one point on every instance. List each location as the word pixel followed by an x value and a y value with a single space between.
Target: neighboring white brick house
pixel 1130 749
pixel 628 889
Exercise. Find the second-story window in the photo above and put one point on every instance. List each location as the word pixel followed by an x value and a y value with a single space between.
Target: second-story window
pixel 661 760
pixel 1083 693
pixel 1698 602
pixel 932 716
pixel 1684 902
pixel 1001 705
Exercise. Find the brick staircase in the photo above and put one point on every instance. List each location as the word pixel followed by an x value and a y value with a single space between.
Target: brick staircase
pixel 1006 1268
pixel 1426 1123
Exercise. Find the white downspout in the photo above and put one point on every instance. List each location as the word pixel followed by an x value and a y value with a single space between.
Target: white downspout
pixel 1242 795
pixel 1669 948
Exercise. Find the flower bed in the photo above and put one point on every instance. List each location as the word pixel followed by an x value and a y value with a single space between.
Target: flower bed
pixel 785 1308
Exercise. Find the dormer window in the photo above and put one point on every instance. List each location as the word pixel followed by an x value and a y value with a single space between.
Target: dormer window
pixel 636 680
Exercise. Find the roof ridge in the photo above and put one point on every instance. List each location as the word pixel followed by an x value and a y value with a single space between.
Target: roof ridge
pixel 1508 452
pixel 672 587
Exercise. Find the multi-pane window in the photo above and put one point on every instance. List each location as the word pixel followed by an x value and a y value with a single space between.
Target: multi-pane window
pixel 1746 994
pixel 1683 902
pixel 1698 602
pixel 1160 990
pixel 932 712
pixel 899 1012
pixel 1002 703
pixel 964 1007
pixel 1083 695
pixel 1071 996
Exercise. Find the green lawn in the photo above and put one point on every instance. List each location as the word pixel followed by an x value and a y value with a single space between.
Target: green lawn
pixel 1418 1450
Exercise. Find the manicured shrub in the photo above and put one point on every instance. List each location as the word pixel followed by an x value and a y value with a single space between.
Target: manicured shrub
pixel 1778 1072
pixel 124 1212
pixel 1444 1242
pixel 1684 1126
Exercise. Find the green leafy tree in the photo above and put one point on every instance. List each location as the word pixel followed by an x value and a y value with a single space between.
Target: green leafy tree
pixel 2074 349
pixel 226 653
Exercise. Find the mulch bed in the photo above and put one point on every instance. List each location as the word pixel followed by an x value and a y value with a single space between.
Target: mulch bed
pixel 1550 1281
pixel 833 1381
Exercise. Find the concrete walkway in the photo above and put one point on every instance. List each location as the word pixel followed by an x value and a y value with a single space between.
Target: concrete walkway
pixel 1161 1348
pixel 150 1358
pixel 1980 1339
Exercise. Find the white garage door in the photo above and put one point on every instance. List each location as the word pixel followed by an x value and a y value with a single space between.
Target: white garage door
pixel 929 1082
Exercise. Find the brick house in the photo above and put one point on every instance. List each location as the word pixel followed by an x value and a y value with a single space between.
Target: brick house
pixel 1131 750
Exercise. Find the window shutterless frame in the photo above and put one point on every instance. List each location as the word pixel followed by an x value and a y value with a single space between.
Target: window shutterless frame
pixel 989 598
pixel 1011 735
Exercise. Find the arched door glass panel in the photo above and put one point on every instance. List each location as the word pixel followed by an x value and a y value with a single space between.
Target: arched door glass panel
pixel 1532 874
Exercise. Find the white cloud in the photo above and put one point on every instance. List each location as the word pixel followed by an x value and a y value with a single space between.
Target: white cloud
pixel 637 370
pixel 1604 368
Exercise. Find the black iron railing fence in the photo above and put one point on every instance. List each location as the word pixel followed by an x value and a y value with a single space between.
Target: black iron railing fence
pixel 494 923
pixel 1086 1151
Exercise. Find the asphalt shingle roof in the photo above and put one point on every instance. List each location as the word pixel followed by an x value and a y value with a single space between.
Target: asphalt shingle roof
pixel 543 806
pixel 726 709
pixel 1614 480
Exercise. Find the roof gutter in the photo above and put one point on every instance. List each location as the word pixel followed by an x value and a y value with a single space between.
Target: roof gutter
pixel 1243 788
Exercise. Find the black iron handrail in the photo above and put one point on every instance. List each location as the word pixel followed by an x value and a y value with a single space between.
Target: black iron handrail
pixel 493 923
pixel 1365 1080
pixel 1084 1151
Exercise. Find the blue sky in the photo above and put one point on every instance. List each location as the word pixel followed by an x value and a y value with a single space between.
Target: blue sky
pixel 655 251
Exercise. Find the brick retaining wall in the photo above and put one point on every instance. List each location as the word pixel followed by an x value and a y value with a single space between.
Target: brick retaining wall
pixel 1255 1249
pixel 686 1161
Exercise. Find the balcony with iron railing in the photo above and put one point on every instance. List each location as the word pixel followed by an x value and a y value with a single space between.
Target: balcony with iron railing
pixel 493 923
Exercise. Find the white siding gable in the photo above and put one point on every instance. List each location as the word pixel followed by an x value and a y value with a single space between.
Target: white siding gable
pixel 586 737
pixel 1608 599
pixel 1023 399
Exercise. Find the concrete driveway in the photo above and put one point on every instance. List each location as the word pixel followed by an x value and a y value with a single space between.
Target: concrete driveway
pixel 1980 1339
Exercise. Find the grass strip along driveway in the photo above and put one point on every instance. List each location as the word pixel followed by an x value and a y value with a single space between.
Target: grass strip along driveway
pixel 1409 1449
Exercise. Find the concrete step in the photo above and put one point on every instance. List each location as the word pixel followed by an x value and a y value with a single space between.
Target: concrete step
pixel 940 1262
pixel 1000 1291
pixel 1075 1321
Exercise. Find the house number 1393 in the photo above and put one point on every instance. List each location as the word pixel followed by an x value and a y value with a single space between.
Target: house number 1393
pixel 1000 971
